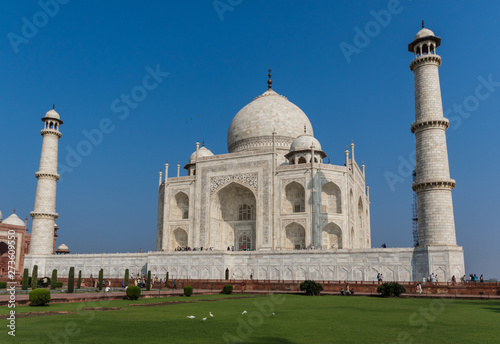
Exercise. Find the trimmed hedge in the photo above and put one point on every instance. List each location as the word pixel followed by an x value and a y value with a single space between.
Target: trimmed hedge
pixel 311 288
pixel 39 297
pixel 79 281
pixel 59 284
pixel 188 290
pixel 148 281
pixel 71 280
pixel 125 279
pixel 101 279
pixel 25 282
pixel 41 284
pixel 53 281
pixel 3 285
pixel 227 289
pixel 166 280
pixel 133 292
pixel 34 277
pixel 391 289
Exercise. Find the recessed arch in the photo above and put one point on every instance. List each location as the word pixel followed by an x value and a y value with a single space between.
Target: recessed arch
pixel 180 206
pixel 331 200
pixel 332 236
pixel 179 238
pixel 294 198
pixel 295 237
pixel 233 218
pixel 360 223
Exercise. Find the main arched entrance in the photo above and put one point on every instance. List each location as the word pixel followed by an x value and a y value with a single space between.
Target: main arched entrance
pixel 233 214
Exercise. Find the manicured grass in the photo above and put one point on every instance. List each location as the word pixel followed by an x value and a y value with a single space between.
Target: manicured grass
pixel 298 319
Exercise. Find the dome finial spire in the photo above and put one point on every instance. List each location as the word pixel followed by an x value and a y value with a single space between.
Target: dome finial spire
pixel 269 82
pixel 53 106
pixel 423 24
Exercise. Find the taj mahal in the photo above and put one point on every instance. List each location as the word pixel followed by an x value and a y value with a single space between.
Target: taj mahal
pixel 286 210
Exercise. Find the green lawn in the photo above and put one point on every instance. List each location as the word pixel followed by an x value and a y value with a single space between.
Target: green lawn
pixel 297 319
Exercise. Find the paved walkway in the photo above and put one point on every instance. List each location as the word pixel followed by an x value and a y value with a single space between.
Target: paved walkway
pixel 23 298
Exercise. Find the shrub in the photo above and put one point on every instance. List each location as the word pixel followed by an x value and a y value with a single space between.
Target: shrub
pixel 71 280
pixel 3 285
pixel 59 284
pixel 39 297
pixel 133 292
pixel 391 289
pixel 101 279
pixel 311 288
pixel 25 282
pixel 166 280
pixel 53 282
pixel 227 289
pixel 44 282
pixel 188 290
pixel 125 279
pixel 148 281
pixel 34 277
pixel 79 281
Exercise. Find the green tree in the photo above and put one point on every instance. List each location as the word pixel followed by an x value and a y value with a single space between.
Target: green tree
pixel 148 282
pixel 34 277
pixel 53 281
pixel 166 280
pixel 125 279
pixel 71 280
pixel 311 288
pixel 25 282
pixel 101 278
pixel 79 282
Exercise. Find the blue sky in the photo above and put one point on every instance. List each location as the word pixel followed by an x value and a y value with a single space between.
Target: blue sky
pixel 83 56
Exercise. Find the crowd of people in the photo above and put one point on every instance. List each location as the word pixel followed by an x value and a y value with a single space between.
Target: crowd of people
pixel 187 248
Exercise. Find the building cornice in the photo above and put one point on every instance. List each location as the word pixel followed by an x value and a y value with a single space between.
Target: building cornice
pixel 425 59
pixel 435 123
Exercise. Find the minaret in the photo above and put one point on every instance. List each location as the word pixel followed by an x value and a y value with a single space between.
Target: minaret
pixel 44 214
pixel 433 184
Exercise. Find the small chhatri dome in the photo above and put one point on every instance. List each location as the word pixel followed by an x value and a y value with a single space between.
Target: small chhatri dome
pixel 62 248
pixel 52 114
pixel 13 220
pixel 202 152
pixel 304 142
pixel 424 33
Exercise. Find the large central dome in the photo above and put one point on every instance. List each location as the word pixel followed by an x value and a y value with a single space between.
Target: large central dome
pixel 252 127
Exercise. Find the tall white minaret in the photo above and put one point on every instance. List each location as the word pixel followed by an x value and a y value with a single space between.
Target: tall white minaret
pixel 44 214
pixel 433 184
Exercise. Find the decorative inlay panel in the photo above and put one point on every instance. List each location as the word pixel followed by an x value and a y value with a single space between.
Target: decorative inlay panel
pixel 248 179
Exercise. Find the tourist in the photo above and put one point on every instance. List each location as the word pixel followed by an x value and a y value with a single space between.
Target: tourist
pixel 381 278
pixel 378 277
pixel 352 291
pixel 481 279
pixel 251 276
pixel 453 279
pixel 175 284
pixel 228 248
pixel 347 289
pixel 234 277
pixel 242 287
pixel 341 291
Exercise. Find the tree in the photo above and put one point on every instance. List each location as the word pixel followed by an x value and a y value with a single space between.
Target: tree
pixel 101 279
pixel 34 277
pixel 53 281
pixel 126 278
pixel 71 280
pixel 166 280
pixel 148 282
pixel 79 282
pixel 24 284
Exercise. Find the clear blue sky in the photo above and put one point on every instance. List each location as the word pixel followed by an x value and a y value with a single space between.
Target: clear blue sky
pixel 89 53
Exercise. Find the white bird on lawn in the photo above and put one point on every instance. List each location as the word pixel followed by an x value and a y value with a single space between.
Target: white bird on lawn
pixel 211 315
pixel 191 316
pixel 205 318
pixel 244 312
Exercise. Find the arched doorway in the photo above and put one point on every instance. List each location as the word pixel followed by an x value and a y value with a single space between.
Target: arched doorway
pixel 332 236
pixel 295 198
pixel 295 237
pixel 233 218
pixel 179 238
